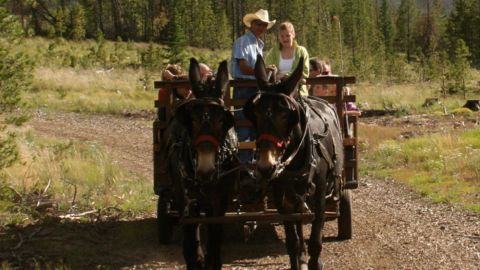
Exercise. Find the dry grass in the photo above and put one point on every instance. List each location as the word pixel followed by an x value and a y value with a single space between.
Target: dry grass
pixel 97 91
pixel 407 98
pixel 67 176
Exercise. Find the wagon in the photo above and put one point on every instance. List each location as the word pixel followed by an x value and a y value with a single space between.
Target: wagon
pixel 340 210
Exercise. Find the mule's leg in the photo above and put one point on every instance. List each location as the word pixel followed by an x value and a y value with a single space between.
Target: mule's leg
pixel 293 245
pixel 192 250
pixel 301 241
pixel 213 259
pixel 315 242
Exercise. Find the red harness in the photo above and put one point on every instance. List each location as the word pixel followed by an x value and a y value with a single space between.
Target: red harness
pixel 273 139
pixel 206 138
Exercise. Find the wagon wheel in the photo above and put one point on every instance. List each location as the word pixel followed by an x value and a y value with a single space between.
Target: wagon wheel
pixel 165 222
pixel 345 218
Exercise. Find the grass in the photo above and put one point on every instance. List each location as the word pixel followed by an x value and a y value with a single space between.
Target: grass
pixel 442 167
pixel 89 91
pixel 409 98
pixel 67 176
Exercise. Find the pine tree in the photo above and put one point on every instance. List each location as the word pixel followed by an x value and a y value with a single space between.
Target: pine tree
pixel 405 24
pixel 77 28
pixel 463 24
pixel 460 68
pixel 15 77
pixel 177 41
pixel 61 22
pixel 386 26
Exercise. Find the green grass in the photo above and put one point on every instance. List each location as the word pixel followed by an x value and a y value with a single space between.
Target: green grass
pixel 409 97
pixel 78 175
pixel 443 167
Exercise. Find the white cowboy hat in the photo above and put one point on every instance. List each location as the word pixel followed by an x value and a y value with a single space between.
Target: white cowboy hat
pixel 261 15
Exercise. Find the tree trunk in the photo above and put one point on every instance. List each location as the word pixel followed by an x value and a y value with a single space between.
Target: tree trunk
pixel 99 16
pixel 117 23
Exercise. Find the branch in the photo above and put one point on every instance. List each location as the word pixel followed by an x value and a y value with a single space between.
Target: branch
pixel 77 216
pixel 51 19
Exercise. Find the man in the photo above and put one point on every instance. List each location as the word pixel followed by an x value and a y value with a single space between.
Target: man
pixel 244 55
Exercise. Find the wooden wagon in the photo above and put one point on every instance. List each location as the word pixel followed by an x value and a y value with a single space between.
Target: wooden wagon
pixel 341 210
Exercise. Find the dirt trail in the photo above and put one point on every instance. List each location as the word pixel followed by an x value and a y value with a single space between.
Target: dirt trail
pixel 394 228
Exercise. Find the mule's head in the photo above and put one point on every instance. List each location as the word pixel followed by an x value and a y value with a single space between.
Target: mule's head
pixel 274 114
pixel 206 118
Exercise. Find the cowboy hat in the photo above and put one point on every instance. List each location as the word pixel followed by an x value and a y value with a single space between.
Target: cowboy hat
pixel 261 15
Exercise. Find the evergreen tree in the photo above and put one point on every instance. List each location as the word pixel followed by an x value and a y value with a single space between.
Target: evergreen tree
pixel 386 26
pixel 460 67
pixel 431 27
pixel 405 25
pixel 176 46
pixel 61 22
pixel 463 24
pixel 15 77
pixel 77 28
pixel 222 37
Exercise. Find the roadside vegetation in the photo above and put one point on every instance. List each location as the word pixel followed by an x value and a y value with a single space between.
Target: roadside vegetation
pixel 443 167
pixel 57 177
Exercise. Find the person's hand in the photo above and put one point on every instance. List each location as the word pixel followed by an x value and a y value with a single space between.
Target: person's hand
pixel 272 68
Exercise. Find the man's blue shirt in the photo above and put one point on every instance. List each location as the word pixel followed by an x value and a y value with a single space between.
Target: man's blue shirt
pixel 245 47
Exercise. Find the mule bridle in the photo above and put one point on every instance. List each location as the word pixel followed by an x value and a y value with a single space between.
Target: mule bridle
pixel 283 143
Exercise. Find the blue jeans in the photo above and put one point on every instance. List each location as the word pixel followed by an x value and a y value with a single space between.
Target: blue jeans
pixel 244 134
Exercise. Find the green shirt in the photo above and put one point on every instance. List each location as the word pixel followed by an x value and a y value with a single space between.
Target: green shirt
pixel 273 57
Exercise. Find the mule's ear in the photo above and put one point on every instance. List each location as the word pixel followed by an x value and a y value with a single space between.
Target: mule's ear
pixel 261 73
pixel 194 76
pixel 292 81
pixel 221 80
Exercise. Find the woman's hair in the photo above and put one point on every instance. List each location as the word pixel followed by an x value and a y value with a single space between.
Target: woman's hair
pixel 286 26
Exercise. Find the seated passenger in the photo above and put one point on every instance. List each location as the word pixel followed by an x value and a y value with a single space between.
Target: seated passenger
pixel 175 72
pixel 320 68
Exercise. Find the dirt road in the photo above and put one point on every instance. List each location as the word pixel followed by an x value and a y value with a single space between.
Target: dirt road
pixel 394 228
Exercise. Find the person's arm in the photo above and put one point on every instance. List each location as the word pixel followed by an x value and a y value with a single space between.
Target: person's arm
pixel 306 64
pixel 244 67
pixel 167 75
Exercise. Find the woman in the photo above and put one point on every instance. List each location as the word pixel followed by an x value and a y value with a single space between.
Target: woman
pixel 285 56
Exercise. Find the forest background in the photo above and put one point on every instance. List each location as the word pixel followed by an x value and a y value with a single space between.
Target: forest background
pixel 392 40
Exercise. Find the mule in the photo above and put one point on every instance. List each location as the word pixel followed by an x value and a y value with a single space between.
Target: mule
pixel 299 157
pixel 201 148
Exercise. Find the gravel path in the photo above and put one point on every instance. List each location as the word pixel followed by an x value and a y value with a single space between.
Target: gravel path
pixel 394 228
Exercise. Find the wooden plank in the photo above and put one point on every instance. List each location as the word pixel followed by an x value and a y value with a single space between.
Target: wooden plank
pixel 333 99
pixel 253 83
pixel 350 141
pixel 260 217
pixel 350 163
pixel 246 145
pixel 244 217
